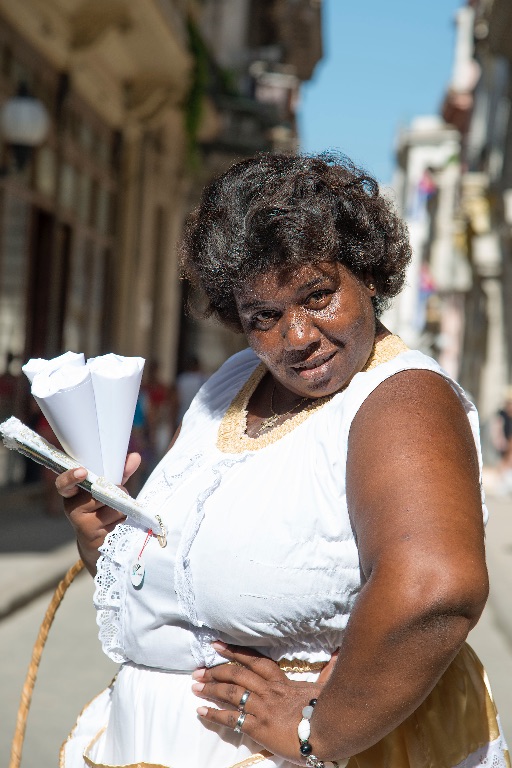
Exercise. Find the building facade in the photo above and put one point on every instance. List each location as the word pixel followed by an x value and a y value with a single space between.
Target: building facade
pixel 259 52
pixel 146 102
pixel 428 312
pixel 91 218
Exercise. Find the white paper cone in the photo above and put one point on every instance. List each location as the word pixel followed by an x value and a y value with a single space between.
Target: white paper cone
pixel 37 364
pixel 116 382
pixel 66 397
pixel 90 406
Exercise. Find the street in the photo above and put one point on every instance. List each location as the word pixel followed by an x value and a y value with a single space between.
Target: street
pixel 73 668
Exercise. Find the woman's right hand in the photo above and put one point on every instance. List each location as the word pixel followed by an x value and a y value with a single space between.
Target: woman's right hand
pixel 91 519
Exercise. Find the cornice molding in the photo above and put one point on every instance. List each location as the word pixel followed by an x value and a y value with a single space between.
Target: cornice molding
pixel 94 18
pixel 107 47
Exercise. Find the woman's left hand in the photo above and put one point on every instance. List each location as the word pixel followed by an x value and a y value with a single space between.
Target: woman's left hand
pixel 274 706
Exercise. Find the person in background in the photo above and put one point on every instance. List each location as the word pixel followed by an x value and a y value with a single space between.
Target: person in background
pixel 36 473
pixel 12 466
pixel 154 423
pixel 161 402
pixel 501 436
pixel 8 386
pixel 140 444
pixel 188 384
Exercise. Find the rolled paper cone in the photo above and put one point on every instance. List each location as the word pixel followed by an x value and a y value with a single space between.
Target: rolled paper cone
pixel 116 382
pixel 37 364
pixel 66 398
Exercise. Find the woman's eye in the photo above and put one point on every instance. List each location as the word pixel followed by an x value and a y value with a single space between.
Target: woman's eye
pixel 263 320
pixel 318 299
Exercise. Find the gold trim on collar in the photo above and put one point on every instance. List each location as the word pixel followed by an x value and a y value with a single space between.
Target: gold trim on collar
pixel 232 436
pixel 298 665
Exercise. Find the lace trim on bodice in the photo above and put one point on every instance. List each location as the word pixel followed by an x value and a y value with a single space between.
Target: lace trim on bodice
pixel 111 569
pixel 110 589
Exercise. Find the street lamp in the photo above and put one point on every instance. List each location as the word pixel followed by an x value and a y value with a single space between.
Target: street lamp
pixel 24 124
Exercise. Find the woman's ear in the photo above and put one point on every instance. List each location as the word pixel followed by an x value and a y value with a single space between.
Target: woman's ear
pixel 369 283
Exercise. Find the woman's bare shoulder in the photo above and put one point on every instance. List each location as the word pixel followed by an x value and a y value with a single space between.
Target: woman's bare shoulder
pixel 413 472
pixel 409 399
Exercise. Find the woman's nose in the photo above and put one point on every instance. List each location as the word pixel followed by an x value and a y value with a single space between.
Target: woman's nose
pixel 299 331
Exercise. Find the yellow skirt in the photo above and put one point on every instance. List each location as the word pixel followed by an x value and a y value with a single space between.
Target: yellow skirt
pixel 457 726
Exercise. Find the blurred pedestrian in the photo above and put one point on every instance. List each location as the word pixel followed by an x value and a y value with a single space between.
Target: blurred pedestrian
pixel 37 473
pixel 154 423
pixel 8 386
pixel 501 435
pixel 188 384
pixel 10 463
pixel 161 410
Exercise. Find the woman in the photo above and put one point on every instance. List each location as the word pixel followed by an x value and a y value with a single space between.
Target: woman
pixel 321 511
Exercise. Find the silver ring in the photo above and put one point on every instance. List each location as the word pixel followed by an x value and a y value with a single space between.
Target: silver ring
pixel 240 722
pixel 243 701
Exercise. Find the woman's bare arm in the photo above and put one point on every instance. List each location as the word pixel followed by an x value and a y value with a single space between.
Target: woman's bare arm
pixel 414 499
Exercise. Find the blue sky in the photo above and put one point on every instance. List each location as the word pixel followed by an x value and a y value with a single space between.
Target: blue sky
pixel 385 62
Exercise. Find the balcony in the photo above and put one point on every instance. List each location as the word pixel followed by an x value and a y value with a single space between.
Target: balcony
pixel 245 125
pixel 500 24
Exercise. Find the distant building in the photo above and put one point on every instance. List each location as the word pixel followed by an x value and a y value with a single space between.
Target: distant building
pixel 90 220
pixel 461 171
pixel 478 103
pixel 427 312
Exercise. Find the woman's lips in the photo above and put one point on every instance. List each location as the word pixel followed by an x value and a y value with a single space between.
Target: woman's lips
pixel 315 368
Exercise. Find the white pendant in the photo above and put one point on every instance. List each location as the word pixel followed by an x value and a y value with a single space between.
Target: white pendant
pixel 137 571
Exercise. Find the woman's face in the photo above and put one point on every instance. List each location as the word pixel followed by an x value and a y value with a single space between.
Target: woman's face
pixel 313 328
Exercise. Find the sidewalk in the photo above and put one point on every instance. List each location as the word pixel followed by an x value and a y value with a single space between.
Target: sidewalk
pixel 499 553
pixel 36 550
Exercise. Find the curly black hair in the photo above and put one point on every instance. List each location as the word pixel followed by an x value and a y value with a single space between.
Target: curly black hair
pixel 277 211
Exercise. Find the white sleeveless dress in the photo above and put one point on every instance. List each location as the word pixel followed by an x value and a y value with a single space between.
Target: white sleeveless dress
pixel 260 552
